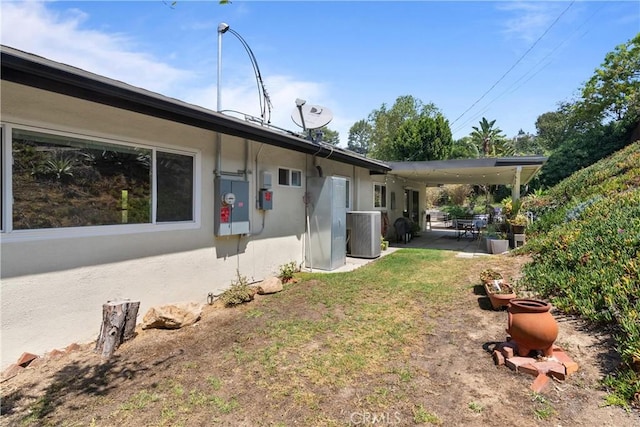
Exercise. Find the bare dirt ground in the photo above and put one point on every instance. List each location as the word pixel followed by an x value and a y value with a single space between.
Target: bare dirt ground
pixel 208 374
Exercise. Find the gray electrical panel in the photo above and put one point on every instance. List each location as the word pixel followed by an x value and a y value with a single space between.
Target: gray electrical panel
pixel 231 207
pixel 326 238
pixel 265 200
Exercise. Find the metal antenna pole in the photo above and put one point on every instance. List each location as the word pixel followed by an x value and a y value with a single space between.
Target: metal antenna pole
pixel 222 28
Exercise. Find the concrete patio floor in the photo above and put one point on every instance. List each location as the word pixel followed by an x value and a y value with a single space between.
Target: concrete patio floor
pixel 438 237
pixel 446 239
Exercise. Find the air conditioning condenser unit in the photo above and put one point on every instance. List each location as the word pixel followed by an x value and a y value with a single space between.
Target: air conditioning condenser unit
pixel 363 234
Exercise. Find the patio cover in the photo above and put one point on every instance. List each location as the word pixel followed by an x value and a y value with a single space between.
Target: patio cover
pixel 513 171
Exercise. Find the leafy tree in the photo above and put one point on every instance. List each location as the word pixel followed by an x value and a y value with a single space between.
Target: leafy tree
pixel 424 138
pixel 486 136
pixel 553 127
pixel 329 136
pixel 464 148
pixel 525 144
pixel 613 92
pixel 583 149
pixel 600 122
pixel 360 137
pixel 386 122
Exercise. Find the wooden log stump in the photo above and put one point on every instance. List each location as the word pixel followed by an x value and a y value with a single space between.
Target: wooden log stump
pixel 118 325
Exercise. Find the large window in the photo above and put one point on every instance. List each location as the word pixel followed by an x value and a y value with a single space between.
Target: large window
pixel 61 181
pixel 175 187
pixel 379 196
pixel 289 177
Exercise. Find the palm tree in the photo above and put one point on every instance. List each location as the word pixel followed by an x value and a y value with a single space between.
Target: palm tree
pixel 486 136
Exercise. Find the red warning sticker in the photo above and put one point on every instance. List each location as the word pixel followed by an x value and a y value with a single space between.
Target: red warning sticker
pixel 225 214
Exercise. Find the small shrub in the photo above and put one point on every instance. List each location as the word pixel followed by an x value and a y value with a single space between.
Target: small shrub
pixel 384 244
pixel 288 270
pixel 239 292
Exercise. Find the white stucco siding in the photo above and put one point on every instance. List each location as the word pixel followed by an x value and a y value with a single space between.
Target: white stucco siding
pixel 55 281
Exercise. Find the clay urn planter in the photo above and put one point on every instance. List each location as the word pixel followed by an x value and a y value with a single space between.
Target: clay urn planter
pixel 531 326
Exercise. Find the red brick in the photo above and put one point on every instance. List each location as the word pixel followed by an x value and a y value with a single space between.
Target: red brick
pixel 517 361
pixel 540 383
pixel 507 349
pixel 529 368
pixel 563 358
pixel 25 359
pixel 498 358
pixel 546 366
pixel 11 371
pixel 559 374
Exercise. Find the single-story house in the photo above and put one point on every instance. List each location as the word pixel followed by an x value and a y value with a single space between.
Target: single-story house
pixel 110 191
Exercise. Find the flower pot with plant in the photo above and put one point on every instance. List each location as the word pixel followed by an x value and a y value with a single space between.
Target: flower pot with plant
pixel 518 224
pixel 497 289
pixel 500 244
pixel 489 233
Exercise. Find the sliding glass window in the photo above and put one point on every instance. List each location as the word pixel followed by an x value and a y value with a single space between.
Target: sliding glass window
pixel 61 181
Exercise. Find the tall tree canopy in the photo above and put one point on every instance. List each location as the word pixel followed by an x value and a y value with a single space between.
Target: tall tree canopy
pixel 329 136
pixel 423 138
pixel 464 148
pixel 613 92
pixel 360 137
pixel 409 129
pixel 600 121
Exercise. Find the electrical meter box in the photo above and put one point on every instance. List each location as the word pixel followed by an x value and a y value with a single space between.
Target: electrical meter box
pixel 265 200
pixel 266 180
pixel 231 207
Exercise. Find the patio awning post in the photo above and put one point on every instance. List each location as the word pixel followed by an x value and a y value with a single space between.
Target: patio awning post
pixel 515 191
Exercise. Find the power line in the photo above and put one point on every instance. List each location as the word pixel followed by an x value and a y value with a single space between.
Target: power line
pixel 531 70
pixel 514 65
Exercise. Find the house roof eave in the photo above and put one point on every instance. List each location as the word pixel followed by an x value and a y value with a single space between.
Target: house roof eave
pixel 34 71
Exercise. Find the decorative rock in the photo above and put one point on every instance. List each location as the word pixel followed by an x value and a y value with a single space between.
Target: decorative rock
pixel 25 359
pixel 173 316
pixel 270 286
pixel 72 347
pixel 11 371
pixel 55 353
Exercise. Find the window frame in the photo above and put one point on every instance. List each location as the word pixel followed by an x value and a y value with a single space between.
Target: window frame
pixel 383 195
pixel 9 234
pixel 290 172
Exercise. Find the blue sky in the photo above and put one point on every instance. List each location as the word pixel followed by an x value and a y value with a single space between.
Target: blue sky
pixel 350 57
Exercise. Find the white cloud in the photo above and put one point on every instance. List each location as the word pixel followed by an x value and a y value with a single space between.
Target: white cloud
pixel 241 94
pixel 529 20
pixel 31 27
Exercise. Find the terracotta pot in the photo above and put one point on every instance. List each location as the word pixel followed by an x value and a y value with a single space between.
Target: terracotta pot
pixel 497 300
pixel 532 326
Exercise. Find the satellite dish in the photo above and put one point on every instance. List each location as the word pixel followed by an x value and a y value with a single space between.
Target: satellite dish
pixel 311 116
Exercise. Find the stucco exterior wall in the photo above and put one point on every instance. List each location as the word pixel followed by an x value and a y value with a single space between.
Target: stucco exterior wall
pixel 55 281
